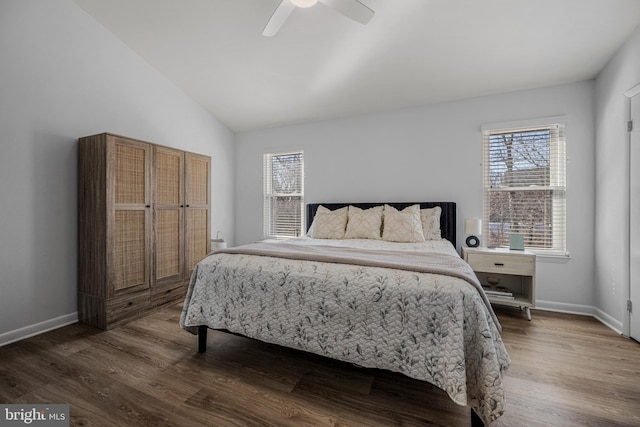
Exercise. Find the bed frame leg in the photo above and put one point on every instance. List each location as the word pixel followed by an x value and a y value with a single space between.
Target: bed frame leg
pixel 476 421
pixel 202 339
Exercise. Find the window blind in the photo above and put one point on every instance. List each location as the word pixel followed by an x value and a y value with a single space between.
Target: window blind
pixel 283 194
pixel 525 187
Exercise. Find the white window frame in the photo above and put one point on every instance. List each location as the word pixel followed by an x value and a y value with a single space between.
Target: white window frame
pixel 556 185
pixel 287 226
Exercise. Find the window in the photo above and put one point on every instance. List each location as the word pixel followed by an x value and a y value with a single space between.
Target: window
pixel 524 186
pixel 283 194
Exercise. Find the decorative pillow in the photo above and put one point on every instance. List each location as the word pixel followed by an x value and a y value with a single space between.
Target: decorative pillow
pixel 328 224
pixel 431 223
pixel 402 226
pixel 364 223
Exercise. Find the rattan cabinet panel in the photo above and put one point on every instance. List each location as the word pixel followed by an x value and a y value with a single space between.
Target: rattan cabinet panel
pixel 134 217
pixel 168 216
pixel 197 201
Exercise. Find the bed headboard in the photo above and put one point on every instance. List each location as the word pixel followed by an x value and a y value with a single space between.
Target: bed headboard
pixel 447 218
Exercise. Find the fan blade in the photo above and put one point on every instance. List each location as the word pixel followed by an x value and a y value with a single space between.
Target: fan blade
pixel 278 18
pixel 352 9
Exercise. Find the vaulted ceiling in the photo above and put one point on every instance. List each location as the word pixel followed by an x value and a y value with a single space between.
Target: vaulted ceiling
pixel 323 65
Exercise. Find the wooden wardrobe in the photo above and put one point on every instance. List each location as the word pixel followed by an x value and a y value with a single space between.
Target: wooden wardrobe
pixel 144 223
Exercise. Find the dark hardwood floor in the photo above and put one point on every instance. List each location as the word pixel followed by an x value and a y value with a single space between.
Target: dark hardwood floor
pixel 566 371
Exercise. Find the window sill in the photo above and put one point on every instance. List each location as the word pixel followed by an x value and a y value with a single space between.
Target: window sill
pixel 551 257
pixel 541 255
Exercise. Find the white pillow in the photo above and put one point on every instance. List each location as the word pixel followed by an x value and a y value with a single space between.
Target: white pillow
pixel 364 224
pixel 431 223
pixel 402 226
pixel 328 224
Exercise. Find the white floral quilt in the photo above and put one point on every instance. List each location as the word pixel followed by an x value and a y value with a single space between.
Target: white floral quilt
pixel 430 327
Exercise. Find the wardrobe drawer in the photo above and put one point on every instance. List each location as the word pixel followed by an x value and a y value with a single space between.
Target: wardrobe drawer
pixel 126 306
pixel 168 293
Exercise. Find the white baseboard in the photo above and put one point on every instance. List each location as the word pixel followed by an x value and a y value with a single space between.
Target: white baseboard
pixel 38 328
pixel 585 310
pixel 58 322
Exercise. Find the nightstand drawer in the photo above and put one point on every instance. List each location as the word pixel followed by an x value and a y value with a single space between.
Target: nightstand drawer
pixel 506 264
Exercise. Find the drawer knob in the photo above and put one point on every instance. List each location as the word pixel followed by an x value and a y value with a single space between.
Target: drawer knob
pixel 498 264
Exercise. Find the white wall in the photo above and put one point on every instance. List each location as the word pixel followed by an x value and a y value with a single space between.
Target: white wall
pixel 63 76
pixel 434 153
pixel 612 179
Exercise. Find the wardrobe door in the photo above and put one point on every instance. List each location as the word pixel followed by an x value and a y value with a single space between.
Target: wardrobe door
pixel 131 216
pixel 197 202
pixel 168 217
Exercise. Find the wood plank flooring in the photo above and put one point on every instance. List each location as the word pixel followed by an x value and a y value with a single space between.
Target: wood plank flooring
pixel 566 371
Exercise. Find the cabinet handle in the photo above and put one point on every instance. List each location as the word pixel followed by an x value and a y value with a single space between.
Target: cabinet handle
pixel 130 303
pixel 498 264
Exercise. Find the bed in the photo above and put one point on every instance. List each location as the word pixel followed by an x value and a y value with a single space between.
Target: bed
pixel 385 293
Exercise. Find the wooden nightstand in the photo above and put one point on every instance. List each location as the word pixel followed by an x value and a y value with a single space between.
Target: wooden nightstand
pixel 514 272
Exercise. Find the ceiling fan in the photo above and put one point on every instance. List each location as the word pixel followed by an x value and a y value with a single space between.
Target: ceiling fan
pixel 350 8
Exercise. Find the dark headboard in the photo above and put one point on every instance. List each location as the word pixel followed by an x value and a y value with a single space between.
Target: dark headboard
pixel 447 218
